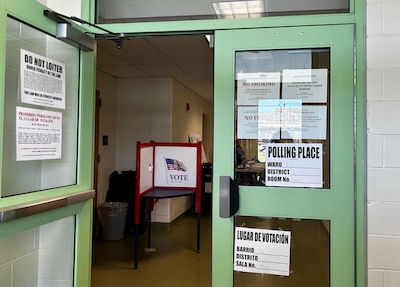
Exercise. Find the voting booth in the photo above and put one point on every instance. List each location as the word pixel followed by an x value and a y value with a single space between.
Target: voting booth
pixel 167 170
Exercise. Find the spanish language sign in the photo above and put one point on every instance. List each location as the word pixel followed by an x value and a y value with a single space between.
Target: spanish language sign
pixel 38 134
pixel 293 165
pixel 42 80
pixel 247 122
pixel 262 251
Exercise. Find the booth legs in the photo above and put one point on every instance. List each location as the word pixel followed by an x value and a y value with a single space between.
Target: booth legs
pixel 149 229
pixel 148 247
pixel 198 233
pixel 136 246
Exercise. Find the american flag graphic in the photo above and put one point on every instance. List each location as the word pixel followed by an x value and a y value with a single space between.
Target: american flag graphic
pixel 173 164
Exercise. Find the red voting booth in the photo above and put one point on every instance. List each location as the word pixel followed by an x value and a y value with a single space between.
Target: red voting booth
pixel 166 170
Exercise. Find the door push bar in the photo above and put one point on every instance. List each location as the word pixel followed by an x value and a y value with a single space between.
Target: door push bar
pixel 24 210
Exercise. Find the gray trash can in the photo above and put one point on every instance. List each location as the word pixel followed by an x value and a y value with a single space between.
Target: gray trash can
pixel 112 216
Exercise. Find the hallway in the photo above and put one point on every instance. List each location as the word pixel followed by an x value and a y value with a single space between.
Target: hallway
pixel 174 263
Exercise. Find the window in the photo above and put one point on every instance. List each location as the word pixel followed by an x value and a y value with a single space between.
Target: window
pixel 151 10
pixel 282 118
pixel 40 111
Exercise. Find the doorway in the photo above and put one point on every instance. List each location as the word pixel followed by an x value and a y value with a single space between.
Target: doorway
pixel 157 88
pixel 160 67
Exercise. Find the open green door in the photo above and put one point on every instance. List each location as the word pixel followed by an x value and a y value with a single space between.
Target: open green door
pixel 46 148
pixel 284 97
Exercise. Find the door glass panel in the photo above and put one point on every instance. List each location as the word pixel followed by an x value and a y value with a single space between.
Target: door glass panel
pixel 261 264
pixel 41 111
pixel 151 10
pixel 41 256
pixel 282 118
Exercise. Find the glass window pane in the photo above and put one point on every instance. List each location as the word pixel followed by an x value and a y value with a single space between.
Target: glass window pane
pixel 151 10
pixel 41 111
pixel 305 261
pixel 282 118
pixel 42 256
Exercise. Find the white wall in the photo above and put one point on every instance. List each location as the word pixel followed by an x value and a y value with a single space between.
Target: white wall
pixel 190 121
pixel 108 87
pixel 144 114
pixel 383 132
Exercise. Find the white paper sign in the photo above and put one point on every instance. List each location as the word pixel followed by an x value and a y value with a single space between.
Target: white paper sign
pixel 262 251
pixel 292 120
pixel 309 85
pixel 293 165
pixel 252 87
pixel 314 122
pixel 247 122
pixel 38 134
pixel 175 166
pixel 42 80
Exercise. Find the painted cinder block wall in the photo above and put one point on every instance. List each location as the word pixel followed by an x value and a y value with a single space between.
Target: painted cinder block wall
pixel 383 142
pixel 40 257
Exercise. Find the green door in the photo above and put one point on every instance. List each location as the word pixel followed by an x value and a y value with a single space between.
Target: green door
pixel 284 120
pixel 46 150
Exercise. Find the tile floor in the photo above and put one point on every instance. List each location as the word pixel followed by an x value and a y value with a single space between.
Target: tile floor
pixel 174 263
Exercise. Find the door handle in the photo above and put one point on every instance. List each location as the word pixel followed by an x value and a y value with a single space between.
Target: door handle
pixel 228 196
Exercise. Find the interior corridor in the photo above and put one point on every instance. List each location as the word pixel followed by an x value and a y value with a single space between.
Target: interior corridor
pixel 174 263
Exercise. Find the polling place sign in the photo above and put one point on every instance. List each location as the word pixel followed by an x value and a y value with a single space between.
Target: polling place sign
pixel 262 251
pixel 293 165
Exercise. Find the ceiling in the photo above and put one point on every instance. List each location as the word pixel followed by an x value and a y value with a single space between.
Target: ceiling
pixel 186 58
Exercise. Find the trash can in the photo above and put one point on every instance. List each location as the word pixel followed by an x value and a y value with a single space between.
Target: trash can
pixel 112 216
